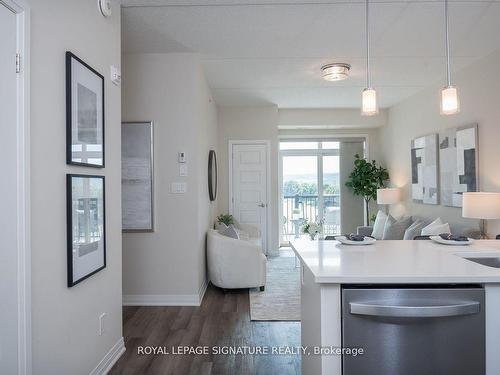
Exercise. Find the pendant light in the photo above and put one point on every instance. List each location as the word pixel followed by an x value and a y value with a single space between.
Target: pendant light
pixel 369 106
pixel 449 95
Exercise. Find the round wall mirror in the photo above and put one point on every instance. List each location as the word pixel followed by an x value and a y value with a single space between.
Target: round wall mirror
pixel 212 175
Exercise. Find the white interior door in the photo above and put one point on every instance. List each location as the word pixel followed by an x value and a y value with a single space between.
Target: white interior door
pixel 8 192
pixel 249 186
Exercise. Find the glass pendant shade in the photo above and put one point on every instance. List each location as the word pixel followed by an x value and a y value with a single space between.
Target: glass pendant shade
pixel 449 101
pixel 369 105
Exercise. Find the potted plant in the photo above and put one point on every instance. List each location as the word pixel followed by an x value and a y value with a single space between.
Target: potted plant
pixel 365 179
pixel 225 219
pixel 312 229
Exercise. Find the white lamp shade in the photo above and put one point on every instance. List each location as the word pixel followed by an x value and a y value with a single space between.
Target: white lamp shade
pixel 481 205
pixel 449 101
pixel 388 196
pixel 369 106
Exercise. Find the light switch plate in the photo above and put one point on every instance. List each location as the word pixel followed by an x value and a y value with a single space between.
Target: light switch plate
pixel 183 170
pixel 116 75
pixel 178 188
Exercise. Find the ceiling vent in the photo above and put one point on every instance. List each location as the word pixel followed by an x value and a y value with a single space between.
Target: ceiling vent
pixel 335 71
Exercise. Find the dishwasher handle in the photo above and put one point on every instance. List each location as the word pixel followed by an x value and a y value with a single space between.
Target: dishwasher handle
pixel 370 309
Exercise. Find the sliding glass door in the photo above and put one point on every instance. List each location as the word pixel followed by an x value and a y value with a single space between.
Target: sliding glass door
pixel 299 192
pixel 312 186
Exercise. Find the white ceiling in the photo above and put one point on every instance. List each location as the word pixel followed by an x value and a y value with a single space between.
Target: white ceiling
pixel 271 51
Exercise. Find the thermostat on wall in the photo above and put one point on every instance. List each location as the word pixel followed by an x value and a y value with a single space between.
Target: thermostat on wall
pixel 182 157
pixel 105 7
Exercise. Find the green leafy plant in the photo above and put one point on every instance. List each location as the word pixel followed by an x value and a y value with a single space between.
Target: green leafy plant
pixel 365 179
pixel 226 219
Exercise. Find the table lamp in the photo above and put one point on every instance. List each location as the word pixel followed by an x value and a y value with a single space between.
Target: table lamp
pixel 482 206
pixel 388 196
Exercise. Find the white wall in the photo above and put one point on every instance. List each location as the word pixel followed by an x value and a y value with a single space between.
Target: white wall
pixel 250 123
pixel 65 320
pixel 478 87
pixel 168 266
pixel 338 118
pixel 207 140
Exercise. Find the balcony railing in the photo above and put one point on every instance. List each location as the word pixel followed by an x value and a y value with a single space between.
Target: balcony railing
pixel 300 208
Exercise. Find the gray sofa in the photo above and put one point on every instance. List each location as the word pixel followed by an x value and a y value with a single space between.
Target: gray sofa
pixel 457 229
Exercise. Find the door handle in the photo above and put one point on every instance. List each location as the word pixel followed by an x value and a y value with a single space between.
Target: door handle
pixel 261 205
pixel 467 308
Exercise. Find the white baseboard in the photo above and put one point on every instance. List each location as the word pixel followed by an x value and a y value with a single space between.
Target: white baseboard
pixel 166 299
pixel 110 358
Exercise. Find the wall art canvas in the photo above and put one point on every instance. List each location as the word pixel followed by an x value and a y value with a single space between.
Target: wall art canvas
pixel 424 169
pixel 458 163
pixel 137 177
pixel 86 230
pixel 84 114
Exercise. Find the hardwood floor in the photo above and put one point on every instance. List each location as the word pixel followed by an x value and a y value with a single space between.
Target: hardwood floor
pixel 223 319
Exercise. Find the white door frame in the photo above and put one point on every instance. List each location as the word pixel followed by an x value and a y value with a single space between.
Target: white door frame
pixel 22 11
pixel 269 199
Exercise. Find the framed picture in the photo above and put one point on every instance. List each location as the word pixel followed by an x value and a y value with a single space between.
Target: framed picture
pixel 424 169
pixel 86 220
pixel 137 177
pixel 458 163
pixel 84 114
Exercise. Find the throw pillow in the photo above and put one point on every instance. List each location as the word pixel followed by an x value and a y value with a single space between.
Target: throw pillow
pixel 395 229
pixel 242 235
pixel 379 225
pixel 429 227
pixel 438 221
pixel 221 228
pixel 231 232
pixel 413 230
pixel 436 230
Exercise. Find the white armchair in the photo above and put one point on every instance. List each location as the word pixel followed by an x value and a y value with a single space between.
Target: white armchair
pixel 234 263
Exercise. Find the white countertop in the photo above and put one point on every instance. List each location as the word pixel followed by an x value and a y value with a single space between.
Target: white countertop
pixel 396 262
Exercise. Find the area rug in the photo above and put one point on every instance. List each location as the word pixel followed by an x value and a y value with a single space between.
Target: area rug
pixel 281 298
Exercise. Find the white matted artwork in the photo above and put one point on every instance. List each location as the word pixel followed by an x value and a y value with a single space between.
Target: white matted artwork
pixel 84 114
pixel 458 163
pixel 86 232
pixel 424 169
pixel 137 177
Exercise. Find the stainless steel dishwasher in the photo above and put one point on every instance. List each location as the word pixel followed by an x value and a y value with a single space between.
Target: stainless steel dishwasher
pixel 414 330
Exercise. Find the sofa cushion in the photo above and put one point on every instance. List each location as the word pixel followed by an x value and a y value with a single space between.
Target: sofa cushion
pixel 395 229
pixel 413 230
pixel 379 225
pixel 436 228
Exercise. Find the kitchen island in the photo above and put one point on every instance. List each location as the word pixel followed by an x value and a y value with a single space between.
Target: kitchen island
pixel 328 267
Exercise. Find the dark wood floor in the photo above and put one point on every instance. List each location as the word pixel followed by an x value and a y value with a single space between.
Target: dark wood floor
pixel 223 319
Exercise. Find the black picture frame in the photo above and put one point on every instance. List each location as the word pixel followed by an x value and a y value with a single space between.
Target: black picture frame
pixel 71 230
pixel 71 104
pixel 212 175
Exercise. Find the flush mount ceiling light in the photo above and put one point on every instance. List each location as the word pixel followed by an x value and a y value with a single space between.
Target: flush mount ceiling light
pixel 335 71
pixel 369 106
pixel 449 95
